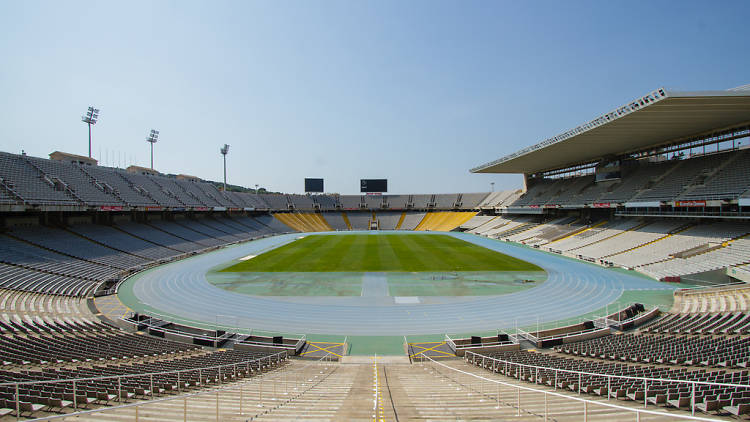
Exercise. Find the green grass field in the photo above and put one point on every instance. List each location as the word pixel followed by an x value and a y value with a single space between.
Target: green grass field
pixel 381 253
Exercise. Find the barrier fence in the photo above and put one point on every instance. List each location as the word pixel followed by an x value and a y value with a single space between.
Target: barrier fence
pixel 494 364
pixel 79 392
pixel 251 398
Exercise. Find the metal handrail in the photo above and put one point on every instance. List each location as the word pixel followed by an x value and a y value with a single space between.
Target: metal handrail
pixel 164 399
pixel 638 411
pixel 647 379
pixel 145 374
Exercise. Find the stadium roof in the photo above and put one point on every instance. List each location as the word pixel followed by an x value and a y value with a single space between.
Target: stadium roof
pixel 659 118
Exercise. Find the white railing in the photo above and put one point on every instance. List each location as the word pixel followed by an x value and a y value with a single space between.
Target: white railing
pixel 609 377
pixel 232 368
pixel 300 384
pixel 457 374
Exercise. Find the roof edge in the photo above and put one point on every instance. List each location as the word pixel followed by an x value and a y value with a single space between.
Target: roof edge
pixel 637 104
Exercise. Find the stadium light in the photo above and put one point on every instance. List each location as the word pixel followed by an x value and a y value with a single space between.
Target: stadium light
pixel 492 185
pixel 92 115
pixel 152 138
pixel 224 150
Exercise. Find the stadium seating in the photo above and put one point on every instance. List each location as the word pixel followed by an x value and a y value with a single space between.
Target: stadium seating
pixel 715 176
pixel 387 220
pixel 718 390
pixel 443 220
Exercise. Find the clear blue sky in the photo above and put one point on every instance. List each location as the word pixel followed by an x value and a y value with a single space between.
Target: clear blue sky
pixel 417 92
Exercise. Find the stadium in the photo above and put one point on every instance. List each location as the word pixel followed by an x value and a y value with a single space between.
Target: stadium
pixel 125 286
pixel 611 285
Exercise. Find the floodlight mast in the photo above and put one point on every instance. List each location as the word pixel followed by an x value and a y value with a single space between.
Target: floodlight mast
pixel 152 138
pixel 92 115
pixel 224 150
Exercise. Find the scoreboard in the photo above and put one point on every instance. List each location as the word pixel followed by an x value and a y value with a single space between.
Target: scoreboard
pixel 313 185
pixel 373 185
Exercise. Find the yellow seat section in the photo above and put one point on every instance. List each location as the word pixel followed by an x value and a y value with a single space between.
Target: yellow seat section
pixel 444 221
pixel 304 222
pixel 290 221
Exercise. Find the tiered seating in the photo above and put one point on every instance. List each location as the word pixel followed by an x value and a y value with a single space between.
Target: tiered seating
pixel 184 232
pixel 710 395
pixel 595 234
pixel 445 200
pixel 703 234
pixel 193 189
pixel 29 184
pixel 200 226
pixel 411 221
pixel 70 244
pixel 728 254
pixel 155 190
pixel 350 202
pixel 444 220
pixel 119 240
pixel 359 220
pixel 82 186
pixel 728 298
pixel 732 352
pixel 114 359
pixel 387 220
pixel 19 278
pixel 420 201
pixel 713 176
pixel 373 202
pixel 304 222
pixel 397 202
pixel 335 220
pixel 32 303
pixel 159 237
pixel 476 221
pixel 702 323
pixel 275 202
pixel 471 201
pixel 326 203
pixel 630 239
pixel 22 254
pixel 543 233
pixel 123 188
pixel 43 342
pixel 678 176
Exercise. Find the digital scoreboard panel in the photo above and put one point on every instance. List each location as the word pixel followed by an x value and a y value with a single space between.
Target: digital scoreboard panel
pixel 373 185
pixel 314 185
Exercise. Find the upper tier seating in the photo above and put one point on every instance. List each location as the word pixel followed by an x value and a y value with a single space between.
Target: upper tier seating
pixel 29 184
pixel 713 176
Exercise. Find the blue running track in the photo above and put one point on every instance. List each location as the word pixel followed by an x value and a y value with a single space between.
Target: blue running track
pixel 573 288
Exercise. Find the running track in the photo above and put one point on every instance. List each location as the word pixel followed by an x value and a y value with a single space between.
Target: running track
pixel 573 288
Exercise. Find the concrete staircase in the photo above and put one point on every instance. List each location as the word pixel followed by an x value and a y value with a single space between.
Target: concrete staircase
pixel 372 390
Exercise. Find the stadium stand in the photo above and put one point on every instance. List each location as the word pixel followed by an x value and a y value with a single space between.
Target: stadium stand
pixel 398 202
pixel 336 221
pixel 387 220
pixel 411 221
pixel 351 202
pixel 476 221
pixel 444 221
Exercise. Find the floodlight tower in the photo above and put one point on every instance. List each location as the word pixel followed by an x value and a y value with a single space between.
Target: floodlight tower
pixel 152 138
pixel 224 150
pixel 92 115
